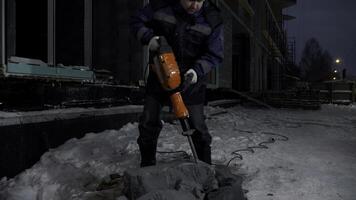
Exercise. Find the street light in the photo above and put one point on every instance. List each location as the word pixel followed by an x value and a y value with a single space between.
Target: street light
pixel 338 66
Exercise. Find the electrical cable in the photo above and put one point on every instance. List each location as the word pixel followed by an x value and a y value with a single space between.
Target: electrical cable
pixel 236 153
pixel 261 145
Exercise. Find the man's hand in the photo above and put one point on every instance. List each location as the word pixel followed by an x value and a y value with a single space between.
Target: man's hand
pixel 191 76
pixel 154 45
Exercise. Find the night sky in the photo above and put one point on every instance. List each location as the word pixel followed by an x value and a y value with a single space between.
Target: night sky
pixel 331 22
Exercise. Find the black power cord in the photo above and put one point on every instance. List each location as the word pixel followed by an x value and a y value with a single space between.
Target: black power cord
pixel 262 145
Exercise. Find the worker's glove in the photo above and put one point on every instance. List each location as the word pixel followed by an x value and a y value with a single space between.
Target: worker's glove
pixel 154 45
pixel 191 76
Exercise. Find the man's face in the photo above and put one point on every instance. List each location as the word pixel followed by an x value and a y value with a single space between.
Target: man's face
pixel 192 6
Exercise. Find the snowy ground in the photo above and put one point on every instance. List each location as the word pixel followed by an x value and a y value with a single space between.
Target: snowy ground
pixel 317 162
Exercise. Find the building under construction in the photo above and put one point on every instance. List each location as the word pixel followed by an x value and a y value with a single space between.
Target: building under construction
pixel 60 54
pixel 257 49
pixel 89 41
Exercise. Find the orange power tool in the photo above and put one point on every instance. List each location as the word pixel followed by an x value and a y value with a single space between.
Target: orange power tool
pixel 167 70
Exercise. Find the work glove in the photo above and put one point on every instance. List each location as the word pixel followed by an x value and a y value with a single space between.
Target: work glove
pixel 154 44
pixel 191 77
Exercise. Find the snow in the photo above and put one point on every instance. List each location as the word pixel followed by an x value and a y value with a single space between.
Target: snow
pixel 317 162
pixel 16 118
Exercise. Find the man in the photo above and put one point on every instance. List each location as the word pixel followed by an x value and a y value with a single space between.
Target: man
pixel 193 28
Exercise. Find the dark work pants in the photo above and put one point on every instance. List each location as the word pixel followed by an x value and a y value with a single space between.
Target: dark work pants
pixel 150 126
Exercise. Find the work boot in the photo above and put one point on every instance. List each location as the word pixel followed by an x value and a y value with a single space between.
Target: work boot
pixel 203 148
pixel 204 153
pixel 148 153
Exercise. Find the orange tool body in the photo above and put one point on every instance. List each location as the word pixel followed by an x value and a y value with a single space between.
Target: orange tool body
pixel 167 71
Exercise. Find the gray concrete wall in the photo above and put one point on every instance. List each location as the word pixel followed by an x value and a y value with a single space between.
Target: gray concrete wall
pixel 259 64
pixel 115 49
pixel 10 29
pixel 225 70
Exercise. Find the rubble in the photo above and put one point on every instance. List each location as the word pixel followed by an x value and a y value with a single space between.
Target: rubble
pixel 182 180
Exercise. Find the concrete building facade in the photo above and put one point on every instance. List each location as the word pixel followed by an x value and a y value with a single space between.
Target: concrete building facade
pixel 94 36
pixel 256 46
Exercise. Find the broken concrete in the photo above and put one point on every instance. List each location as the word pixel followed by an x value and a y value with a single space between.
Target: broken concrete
pixel 167 195
pixel 182 181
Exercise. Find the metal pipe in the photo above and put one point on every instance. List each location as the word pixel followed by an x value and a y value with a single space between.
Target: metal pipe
pixel 187 131
pixel 3 32
pixel 195 155
pixel 51 32
pixel 88 29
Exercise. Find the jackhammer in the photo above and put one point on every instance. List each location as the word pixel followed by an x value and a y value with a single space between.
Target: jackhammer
pixel 167 71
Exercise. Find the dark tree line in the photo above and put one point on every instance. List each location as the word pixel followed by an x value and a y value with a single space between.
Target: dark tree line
pixel 316 63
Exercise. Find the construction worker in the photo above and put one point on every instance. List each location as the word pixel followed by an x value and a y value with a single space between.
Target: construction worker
pixel 194 30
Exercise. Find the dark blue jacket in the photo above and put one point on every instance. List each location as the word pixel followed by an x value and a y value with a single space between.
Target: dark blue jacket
pixel 196 40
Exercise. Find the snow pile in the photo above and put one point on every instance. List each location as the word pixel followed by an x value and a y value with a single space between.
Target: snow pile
pixel 75 167
pixel 316 163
